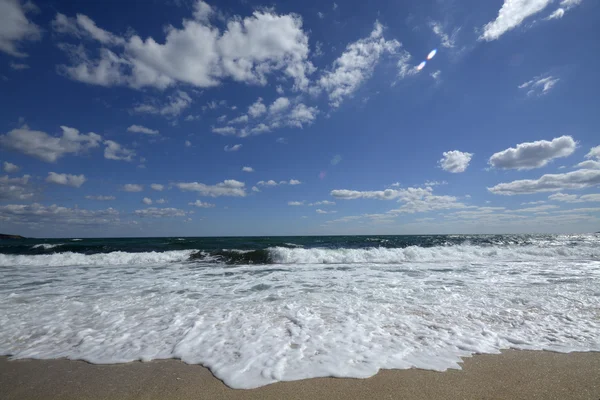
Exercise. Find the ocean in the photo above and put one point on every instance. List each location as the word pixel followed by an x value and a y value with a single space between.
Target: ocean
pixel 266 309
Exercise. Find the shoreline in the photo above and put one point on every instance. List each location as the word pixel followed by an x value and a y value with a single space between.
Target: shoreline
pixel 513 374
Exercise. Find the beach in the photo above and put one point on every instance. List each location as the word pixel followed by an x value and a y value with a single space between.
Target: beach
pixel 514 374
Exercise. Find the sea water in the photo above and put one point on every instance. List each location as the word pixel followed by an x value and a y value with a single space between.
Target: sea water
pixel 261 310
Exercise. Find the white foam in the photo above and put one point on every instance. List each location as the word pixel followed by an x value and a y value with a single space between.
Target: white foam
pixel 382 255
pixel 257 324
pixel 46 246
pixel 100 259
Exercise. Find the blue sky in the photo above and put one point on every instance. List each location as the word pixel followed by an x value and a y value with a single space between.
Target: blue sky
pixel 248 118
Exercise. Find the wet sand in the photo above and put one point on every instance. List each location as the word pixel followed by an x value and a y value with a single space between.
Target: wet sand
pixel 510 375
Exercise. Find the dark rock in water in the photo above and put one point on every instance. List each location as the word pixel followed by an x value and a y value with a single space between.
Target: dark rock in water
pixel 3 236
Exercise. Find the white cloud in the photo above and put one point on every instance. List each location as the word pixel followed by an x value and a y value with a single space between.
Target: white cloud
pixel 242 119
pixel 142 129
pixel 573 198
pixel 18 67
pixel 49 148
pixel 247 169
pixel 228 187
pixel 10 167
pixel 320 15
pixel 455 161
pixel 114 151
pixel 15 188
pixel 133 187
pixel 157 186
pixel 66 179
pixel 267 183
pixel 175 105
pixel 531 155
pixel 56 215
pixel 101 198
pixel 257 108
pixel 301 114
pixel 235 147
pixel 187 143
pixel 414 199
pixel 160 201
pixel 589 164
pixel 153 212
pixel 226 130
pixel 535 209
pixel 191 117
pixel 202 55
pixel 319 211
pixel 557 14
pixel 279 105
pixel 83 27
pixel 147 201
pixel 335 6
pixel 436 75
pixel 294 182
pixel 255 189
pixel 15 28
pixel 296 203
pixel 323 203
pixel 594 153
pixel 511 15
pixel 201 204
pixel 532 203
pixel 355 65
pixel 446 41
pixel 540 85
pixel 579 179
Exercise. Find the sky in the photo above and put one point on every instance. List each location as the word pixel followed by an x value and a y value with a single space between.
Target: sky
pixel 193 118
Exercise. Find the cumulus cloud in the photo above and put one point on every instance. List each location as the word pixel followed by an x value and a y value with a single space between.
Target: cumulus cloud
pixel 227 130
pixel 248 50
pixel 247 169
pixel 302 114
pixel 296 203
pixel 279 105
pixel 242 119
pixel 455 161
pixel 15 188
pixel 531 155
pixel 114 151
pixel 201 204
pixel 257 108
pixel 511 15
pixel 323 203
pixel 235 147
pixel 228 187
pixel 133 187
pixel 270 182
pixel 579 179
pixel 154 212
pixel 355 65
pixel 66 179
pixel 48 148
pixel 15 27
pixel 101 198
pixel 573 198
pixel 10 167
pixel 174 106
pixel 157 186
pixel 160 201
pixel 187 143
pixel 142 129
pixel 294 182
pixel 56 215
pixel 594 153
pixel 319 211
pixel 147 201
pixel 540 85
pixel 414 199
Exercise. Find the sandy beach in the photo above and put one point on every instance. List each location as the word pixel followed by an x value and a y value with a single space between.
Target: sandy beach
pixel 510 375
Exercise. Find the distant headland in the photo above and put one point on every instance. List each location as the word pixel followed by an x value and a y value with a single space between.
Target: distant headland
pixel 3 236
